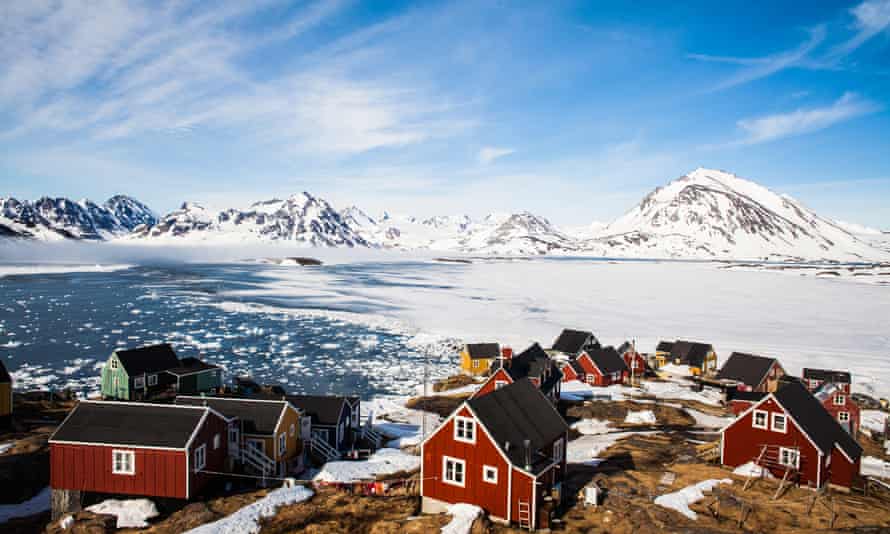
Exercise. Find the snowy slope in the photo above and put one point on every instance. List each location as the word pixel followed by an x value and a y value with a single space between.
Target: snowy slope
pixel 715 214
pixel 61 218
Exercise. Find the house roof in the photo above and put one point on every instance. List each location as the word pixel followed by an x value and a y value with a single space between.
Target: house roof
pixel 531 362
pixel 748 369
pixel 607 360
pixel 815 420
pixel 137 424
pixel 827 391
pixel 690 352
pixel 150 359
pixel 573 341
pixel 323 409
pixel 483 350
pixel 517 412
pixel 553 379
pixel 258 416
pixel 579 370
pixel 192 365
pixel 826 375
pixel 4 374
pixel 749 396
pixel 665 346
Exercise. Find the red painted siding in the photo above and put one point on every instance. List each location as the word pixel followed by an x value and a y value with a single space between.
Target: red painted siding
pixel 841 471
pixel 568 373
pixel 598 379
pixel 488 386
pixel 739 406
pixel 630 357
pixel 216 458
pixel 849 406
pixel 159 473
pixel 522 491
pixel 742 443
pixel 491 497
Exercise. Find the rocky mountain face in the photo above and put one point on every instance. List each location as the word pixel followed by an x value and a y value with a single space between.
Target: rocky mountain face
pixel 60 218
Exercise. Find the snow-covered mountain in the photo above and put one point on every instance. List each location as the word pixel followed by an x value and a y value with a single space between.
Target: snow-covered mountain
pixel 716 214
pixel 60 218
pixel 301 218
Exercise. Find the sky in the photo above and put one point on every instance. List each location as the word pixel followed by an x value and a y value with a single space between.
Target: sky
pixel 570 110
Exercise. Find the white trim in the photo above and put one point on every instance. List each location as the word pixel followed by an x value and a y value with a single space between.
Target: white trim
pixel 779 404
pixel 766 418
pixel 193 373
pixel 469 427
pixel 226 399
pixel 796 457
pixel 124 453
pixel 422 466
pixel 121 445
pixel 847 420
pixel 188 444
pixel 847 456
pixel 203 448
pixel 509 491
pixel 772 422
pixel 137 403
pixel 463 471
pixel 819 471
pixel 485 478
pixel 839 396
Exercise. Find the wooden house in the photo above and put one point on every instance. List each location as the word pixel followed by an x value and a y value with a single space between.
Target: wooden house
pixel 598 367
pixel 5 397
pixel 152 450
pixel 572 370
pixel 264 435
pixel 837 401
pixel 335 422
pixel 636 363
pixel 700 357
pixel 572 343
pixel 193 377
pixel 791 434
pixel 815 378
pixel 146 372
pixel 532 363
pixel 503 452
pixel 752 372
pixel 477 358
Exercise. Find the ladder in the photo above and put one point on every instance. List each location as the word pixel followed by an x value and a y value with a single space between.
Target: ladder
pixel 320 446
pixel 525 515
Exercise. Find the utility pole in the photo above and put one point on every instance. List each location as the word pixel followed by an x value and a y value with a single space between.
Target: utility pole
pixel 426 363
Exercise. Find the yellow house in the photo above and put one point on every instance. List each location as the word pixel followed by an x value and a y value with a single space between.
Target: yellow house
pixel 476 358
pixel 700 357
pixel 5 397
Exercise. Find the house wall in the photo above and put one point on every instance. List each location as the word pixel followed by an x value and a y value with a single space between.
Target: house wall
pixel 568 373
pixel 294 442
pixel 479 366
pixel 522 488
pixel 739 406
pixel 742 443
pixel 216 458
pixel 159 473
pixel 841 471
pixel 5 399
pixel 489 385
pixel 491 497
pixel 598 379
pixel 123 380
pixel 771 382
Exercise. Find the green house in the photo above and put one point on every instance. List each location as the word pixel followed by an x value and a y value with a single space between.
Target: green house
pixel 143 373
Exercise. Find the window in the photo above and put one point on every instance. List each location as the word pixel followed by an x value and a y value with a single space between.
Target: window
pixel 557 450
pixel 153 380
pixel 200 457
pixel 498 384
pixel 789 457
pixel 217 441
pixel 293 430
pixel 840 400
pixel 490 474
pixel 282 443
pixel 760 419
pixel 114 364
pixel 453 471
pixel 591 379
pixel 233 434
pixel 465 429
pixel 475 364
pixel 779 422
pixel 139 383
pixel 843 417
pixel 123 462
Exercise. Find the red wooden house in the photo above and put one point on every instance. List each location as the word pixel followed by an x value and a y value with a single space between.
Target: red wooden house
pixel 636 364
pixel 152 450
pixel 504 452
pixel 532 363
pixel 789 431
pixel 597 367
pixel 838 402
pixel 752 372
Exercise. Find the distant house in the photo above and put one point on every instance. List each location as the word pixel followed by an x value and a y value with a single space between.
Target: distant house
pixel 145 372
pixel 504 452
pixel 573 343
pixel 700 357
pixel 152 450
pixel 837 401
pixel 790 431
pixel 603 367
pixel 532 363
pixel 335 419
pixel 5 397
pixel 752 372
pixel 636 363
pixel 815 378
pixel 476 358
pixel 739 401
pixel 264 436
pixel 572 370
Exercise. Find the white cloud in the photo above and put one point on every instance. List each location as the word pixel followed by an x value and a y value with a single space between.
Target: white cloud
pixel 490 153
pixel 871 18
pixel 802 121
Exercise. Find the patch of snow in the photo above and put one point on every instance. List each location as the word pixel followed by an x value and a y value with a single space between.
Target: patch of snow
pixel 873 421
pixel 704 420
pixel 644 417
pixel 132 513
pixel 23 270
pixel 66 522
pixel 753 470
pixel 680 500
pixel 247 519
pixel 463 515
pixel 6 446
pixel 588 448
pixel 35 505
pixel 875 467
pixel 592 427
pixel 382 462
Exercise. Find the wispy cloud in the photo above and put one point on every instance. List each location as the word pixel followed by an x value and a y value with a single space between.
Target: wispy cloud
pixel 871 18
pixel 803 121
pixel 490 153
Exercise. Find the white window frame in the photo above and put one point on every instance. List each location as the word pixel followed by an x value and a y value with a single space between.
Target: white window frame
pixel 234 432
pixel 139 382
pixel 200 457
pixel 128 466
pixel 843 417
pixel 590 378
pixel 490 474
pixel 841 398
pixel 464 429
pixel 293 430
pixel 217 441
pixel 152 380
pixel 776 415
pixel 114 364
pixel 498 384
pixel 765 414
pixel 463 471
pixel 282 443
pixel 558 450
pixel 475 364
pixel 795 452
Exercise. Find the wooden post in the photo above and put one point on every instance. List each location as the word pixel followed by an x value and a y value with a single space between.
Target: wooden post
pixel 64 502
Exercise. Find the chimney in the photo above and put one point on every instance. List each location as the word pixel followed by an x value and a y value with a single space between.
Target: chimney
pixel 528 454
pixel 506 356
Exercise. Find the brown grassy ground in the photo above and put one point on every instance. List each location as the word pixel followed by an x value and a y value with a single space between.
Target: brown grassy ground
pixel 616 411
pixel 453 382
pixel 442 405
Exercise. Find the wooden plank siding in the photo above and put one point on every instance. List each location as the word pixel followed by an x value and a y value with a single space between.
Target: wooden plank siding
pixel 216 457
pixel 490 385
pixel 5 399
pixel 122 391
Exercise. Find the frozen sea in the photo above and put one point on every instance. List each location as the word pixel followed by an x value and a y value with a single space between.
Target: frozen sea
pixel 367 326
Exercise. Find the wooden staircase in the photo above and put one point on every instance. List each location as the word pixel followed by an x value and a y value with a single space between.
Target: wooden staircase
pixel 258 461
pixel 321 448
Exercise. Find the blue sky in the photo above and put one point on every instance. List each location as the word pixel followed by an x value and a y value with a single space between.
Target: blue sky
pixel 570 110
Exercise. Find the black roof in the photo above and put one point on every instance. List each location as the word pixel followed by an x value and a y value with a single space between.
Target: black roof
pixel 607 360
pixel 577 368
pixel 750 396
pixel 483 350
pixel 815 420
pixel 665 346
pixel 4 374
pixel 517 412
pixel 553 379
pixel 532 362
pixel 150 359
pixel 826 375
pixel 690 352
pixel 748 369
pixel 117 423
pixel 323 409
pixel 257 416
pixel 574 341
pixel 192 365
